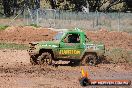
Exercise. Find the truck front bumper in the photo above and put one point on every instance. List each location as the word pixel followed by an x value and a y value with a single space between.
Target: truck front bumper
pixel 32 52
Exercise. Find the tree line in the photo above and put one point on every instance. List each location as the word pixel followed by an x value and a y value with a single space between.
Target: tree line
pixel 10 7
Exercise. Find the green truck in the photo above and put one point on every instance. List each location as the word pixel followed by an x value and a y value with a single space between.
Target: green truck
pixel 71 45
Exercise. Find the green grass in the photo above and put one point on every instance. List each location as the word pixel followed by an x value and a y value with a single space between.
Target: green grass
pixel 3 27
pixel 34 25
pixel 13 46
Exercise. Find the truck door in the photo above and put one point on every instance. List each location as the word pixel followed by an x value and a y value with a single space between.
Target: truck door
pixel 71 46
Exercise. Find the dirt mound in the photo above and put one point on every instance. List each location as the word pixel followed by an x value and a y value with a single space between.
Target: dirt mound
pixel 30 34
pixel 112 39
pixel 26 34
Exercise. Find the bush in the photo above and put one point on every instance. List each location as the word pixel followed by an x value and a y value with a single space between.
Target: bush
pixel 34 25
pixel 3 27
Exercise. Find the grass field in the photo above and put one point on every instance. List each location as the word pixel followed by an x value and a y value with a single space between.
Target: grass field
pixel 3 27
pixel 13 46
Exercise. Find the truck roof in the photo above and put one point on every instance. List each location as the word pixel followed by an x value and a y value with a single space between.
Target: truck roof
pixel 75 30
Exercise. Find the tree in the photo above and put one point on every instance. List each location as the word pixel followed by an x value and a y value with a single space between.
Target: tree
pixel 53 4
pixel 12 6
pixel 7 7
pixel 37 3
pixel 129 4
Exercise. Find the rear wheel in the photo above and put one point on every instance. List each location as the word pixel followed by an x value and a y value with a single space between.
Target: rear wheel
pixel 89 59
pixel 45 59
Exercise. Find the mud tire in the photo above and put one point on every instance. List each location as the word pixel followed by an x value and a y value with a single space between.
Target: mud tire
pixel 45 59
pixel 89 59
pixel 33 60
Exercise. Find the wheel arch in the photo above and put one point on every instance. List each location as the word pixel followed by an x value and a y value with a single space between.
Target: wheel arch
pixel 86 53
pixel 47 50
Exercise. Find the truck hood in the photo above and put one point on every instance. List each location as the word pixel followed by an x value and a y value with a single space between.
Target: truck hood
pixel 49 44
pixel 95 46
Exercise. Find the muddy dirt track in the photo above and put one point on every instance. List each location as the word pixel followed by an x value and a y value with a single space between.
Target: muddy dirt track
pixel 17 72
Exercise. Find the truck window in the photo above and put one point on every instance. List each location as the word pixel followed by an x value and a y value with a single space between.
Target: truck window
pixel 86 39
pixel 58 36
pixel 72 38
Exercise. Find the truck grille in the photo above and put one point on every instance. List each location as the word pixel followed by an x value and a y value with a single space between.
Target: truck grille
pixel 32 47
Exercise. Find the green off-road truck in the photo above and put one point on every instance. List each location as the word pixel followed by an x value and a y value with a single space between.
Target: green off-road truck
pixel 71 45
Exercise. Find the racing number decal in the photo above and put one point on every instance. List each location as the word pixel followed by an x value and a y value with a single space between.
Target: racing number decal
pixel 62 52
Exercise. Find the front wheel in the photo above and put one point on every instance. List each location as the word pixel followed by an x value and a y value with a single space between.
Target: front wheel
pixel 33 60
pixel 89 59
pixel 45 59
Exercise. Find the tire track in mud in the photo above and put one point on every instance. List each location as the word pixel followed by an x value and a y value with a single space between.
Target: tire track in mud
pixel 16 71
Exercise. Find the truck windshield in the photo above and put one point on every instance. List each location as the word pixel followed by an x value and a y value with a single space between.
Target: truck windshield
pixel 58 36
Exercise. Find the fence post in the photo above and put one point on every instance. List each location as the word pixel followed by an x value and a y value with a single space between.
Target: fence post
pixel 55 18
pixel 110 18
pixel 97 19
pixel 93 20
pixel 31 15
pixel 37 21
pixel 24 17
pixel 118 21
pixel 27 20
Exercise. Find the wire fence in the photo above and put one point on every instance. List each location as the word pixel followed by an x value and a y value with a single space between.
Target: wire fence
pixel 64 19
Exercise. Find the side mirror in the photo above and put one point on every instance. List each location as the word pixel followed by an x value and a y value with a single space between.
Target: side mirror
pixel 61 44
pixel 62 41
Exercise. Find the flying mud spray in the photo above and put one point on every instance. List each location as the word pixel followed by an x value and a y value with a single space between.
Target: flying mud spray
pixel 86 81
